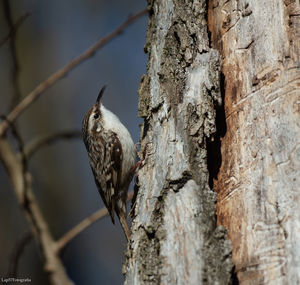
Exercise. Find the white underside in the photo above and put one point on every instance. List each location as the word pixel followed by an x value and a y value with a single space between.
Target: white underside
pixel 112 122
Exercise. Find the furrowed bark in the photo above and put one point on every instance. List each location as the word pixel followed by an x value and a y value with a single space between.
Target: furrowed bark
pixel 258 183
pixel 175 239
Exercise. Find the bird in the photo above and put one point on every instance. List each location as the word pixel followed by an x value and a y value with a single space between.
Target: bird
pixel 112 157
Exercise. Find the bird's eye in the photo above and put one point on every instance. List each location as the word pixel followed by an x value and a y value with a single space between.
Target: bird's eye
pixel 96 116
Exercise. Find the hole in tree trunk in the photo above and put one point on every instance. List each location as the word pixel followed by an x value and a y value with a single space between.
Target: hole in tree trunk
pixel 214 157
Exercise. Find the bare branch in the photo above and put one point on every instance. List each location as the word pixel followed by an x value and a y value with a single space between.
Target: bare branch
pixel 17 252
pixel 40 142
pixel 26 198
pixel 14 28
pixel 67 237
pixel 12 43
pixel 20 144
pixel 34 95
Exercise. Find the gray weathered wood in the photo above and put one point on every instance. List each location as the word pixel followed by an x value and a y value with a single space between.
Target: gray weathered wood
pixel 175 239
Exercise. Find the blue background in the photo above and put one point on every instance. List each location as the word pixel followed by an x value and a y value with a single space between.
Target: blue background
pixel 55 33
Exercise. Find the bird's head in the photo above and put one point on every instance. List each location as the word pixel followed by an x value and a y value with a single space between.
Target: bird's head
pixel 92 120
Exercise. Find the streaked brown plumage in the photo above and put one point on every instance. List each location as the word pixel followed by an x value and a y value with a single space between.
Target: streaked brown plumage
pixel 112 157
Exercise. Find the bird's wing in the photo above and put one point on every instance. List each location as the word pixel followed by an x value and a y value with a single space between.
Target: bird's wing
pixel 108 169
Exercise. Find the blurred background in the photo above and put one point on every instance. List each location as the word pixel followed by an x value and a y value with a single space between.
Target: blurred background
pixel 55 33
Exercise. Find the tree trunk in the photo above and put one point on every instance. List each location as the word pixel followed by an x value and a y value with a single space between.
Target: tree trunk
pixel 258 183
pixel 175 239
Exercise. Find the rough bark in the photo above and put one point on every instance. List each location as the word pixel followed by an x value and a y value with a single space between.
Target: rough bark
pixel 258 182
pixel 175 239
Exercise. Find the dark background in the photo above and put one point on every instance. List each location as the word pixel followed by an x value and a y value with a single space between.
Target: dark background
pixel 55 33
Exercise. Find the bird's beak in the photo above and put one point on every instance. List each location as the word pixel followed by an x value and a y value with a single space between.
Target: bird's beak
pixel 100 94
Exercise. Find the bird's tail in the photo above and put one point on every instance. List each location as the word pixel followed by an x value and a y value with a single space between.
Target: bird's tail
pixel 124 225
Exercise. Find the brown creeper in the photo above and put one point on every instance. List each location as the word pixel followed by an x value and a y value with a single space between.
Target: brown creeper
pixel 112 157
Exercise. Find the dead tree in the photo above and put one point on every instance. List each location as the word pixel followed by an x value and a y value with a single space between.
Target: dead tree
pixel 175 239
pixel 258 183
pixel 251 156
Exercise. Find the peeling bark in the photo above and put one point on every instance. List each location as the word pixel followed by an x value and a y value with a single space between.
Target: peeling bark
pixel 175 239
pixel 258 182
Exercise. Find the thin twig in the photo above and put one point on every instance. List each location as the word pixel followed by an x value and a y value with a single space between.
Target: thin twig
pixel 20 144
pixel 15 27
pixel 12 43
pixel 16 254
pixel 20 141
pixel 33 95
pixel 67 237
pixel 39 142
